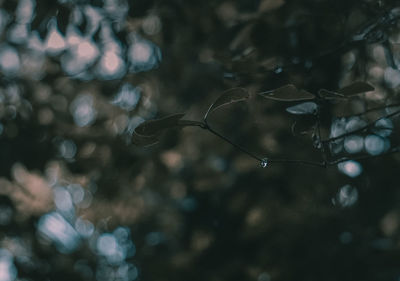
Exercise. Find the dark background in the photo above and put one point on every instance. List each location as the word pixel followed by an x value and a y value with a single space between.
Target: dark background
pixel 192 207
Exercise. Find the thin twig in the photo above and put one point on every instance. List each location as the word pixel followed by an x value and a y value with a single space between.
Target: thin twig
pixel 324 155
pixel 360 129
pixel 362 157
pixel 295 161
pixel 207 127
pixel 373 109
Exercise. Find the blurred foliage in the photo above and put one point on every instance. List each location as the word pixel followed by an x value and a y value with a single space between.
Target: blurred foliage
pixel 79 201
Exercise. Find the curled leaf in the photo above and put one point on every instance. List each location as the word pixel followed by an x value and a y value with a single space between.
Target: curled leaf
pixel 287 93
pixel 141 140
pixel 228 97
pixel 153 127
pixel 303 108
pixel 148 132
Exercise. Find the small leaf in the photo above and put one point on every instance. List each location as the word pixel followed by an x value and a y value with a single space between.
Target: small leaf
pixel 148 132
pixel 326 94
pixel 303 108
pixel 355 89
pixel 154 127
pixel 184 123
pixel 141 140
pixel 228 97
pixel 288 93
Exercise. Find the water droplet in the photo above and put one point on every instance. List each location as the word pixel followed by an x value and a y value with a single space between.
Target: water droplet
pixel 264 163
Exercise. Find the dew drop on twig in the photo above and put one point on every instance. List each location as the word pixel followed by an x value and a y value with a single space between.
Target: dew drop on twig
pixel 264 162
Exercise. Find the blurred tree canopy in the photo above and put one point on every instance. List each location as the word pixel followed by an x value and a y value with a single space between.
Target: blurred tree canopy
pixel 79 200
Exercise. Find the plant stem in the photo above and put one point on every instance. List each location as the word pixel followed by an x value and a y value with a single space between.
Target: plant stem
pixel 360 129
pixel 211 130
pixel 295 161
pixel 373 109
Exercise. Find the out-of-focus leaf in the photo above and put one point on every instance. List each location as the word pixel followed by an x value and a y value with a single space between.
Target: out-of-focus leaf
pixel 242 38
pixel 355 89
pixel 228 97
pixel 287 93
pixel 303 108
pixel 63 19
pixel 148 132
pixel 268 5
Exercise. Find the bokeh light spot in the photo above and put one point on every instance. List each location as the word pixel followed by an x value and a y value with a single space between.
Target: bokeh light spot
pixel 8 271
pixel 55 228
pixel 82 110
pixel 350 168
pixel 374 144
pixel 127 97
pixel 55 43
pixel 383 127
pixel 9 61
pixel 353 144
pixel 347 196
pixel 143 55
pixel 62 199
pixel 84 227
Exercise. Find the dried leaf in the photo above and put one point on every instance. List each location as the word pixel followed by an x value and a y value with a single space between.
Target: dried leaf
pixel 303 108
pixel 288 93
pixel 228 97
pixel 355 89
